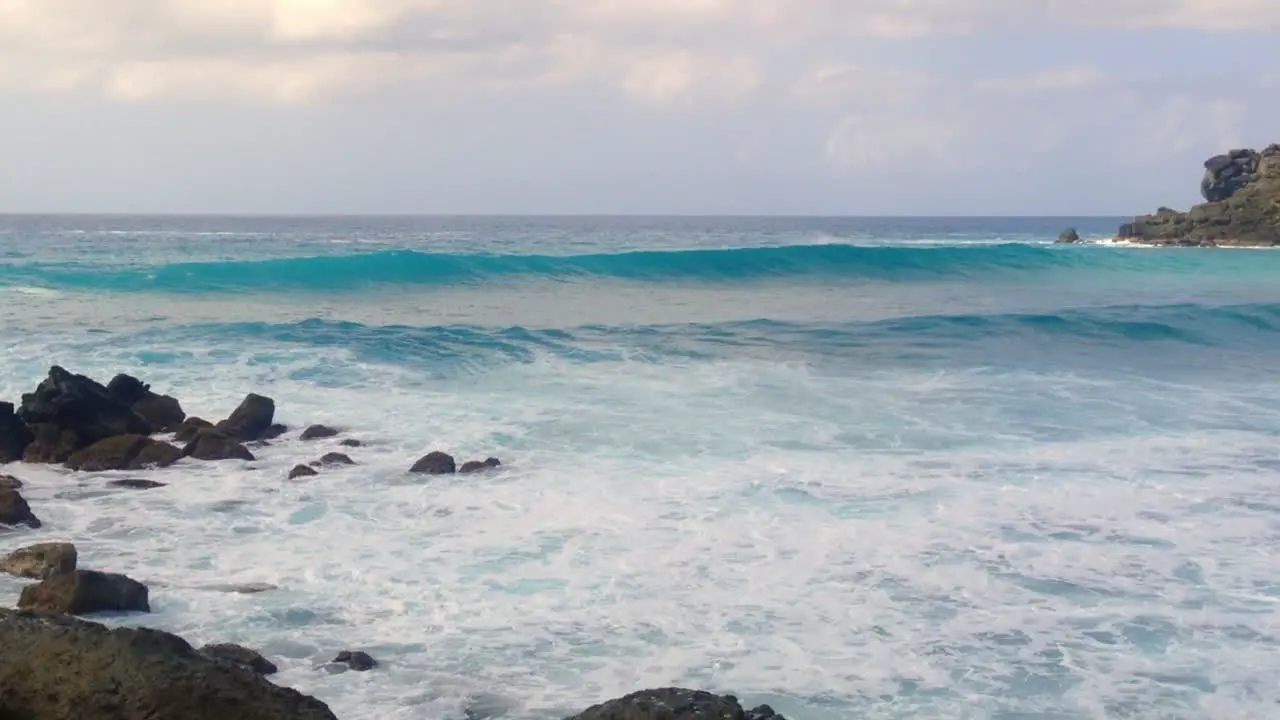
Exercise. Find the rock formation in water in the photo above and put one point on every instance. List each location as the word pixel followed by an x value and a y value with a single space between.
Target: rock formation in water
pixel 1242 208
pixel 675 704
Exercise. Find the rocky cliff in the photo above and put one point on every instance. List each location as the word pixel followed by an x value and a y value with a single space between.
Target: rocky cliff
pixel 1242 208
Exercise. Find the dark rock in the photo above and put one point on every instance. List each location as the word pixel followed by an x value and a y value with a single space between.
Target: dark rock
pixel 352 443
pixel 435 463
pixel 242 656
pixel 78 404
pixel 190 428
pixel 83 592
pixel 318 432
pixel 14 510
pixel 356 660
pixel 213 445
pixel 336 458
pixel 1069 236
pixel 9 482
pixel 474 466
pixel 55 668
pixel 273 432
pixel 251 420
pixel 675 704
pixel 15 436
pixel 124 452
pixel 1242 190
pixel 162 413
pixel 300 471
pixel 41 561
pixel 136 484
pixel 52 444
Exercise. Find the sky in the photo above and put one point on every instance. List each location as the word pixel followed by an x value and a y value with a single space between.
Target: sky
pixel 723 107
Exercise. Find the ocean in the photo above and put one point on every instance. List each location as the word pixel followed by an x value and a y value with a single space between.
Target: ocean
pixel 853 468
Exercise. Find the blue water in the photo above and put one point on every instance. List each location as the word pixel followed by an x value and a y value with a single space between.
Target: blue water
pixel 871 468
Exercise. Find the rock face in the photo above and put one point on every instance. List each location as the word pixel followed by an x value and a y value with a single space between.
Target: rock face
pixel 1242 190
pixel 251 420
pixel 162 413
pixel 75 404
pixel 15 436
pixel 241 655
pixel 124 452
pixel 675 704
pixel 57 668
pixel 83 592
pixel 40 561
pixel 14 510
pixel 213 445
pixel 435 463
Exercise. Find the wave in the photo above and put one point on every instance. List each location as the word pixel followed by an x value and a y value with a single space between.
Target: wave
pixel 363 270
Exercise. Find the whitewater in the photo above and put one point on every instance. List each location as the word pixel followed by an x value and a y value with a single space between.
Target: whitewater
pixel 851 468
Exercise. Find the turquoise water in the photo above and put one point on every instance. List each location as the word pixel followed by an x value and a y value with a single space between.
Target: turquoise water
pixel 871 468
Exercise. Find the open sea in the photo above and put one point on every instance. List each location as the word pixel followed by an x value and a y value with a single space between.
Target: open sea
pixel 853 468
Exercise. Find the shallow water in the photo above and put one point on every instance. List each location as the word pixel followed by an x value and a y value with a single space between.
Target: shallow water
pixel 950 472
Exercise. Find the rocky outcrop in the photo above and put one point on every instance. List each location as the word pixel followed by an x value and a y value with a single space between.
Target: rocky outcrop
pixel 318 432
pixel 40 561
pixel 15 436
pixel 76 404
pixel 213 445
pixel 83 592
pixel 356 660
pixel 190 428
pixel 54 668
pixel 162 413
pixel 52 444
pixel 475 466
pixel 242 656
pixel 435 463
pixel 14 510
pixel 675 704
pixel 1242 208
pixel 335 458
pixel 250 421
pixel 301 471
pixel 1068 236
pixel 124 452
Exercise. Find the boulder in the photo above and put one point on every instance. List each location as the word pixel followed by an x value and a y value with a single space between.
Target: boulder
pixel 53 668
pixel 9 482
pixel 190 428
pixel 82 592
pixel 675 704
pixel 162 413
pixel 351 442
pixel 301 471
pixel 40 561
pixel 273 432
pixel 1242 208
pixel 15 436
pixel 318 432
pixel 435 463
pixel 251 420
pixel 336 458
pixel 242 656
pixel 14 510
pixel 474 466
pixel 356 660
pixel 213 445
pixel 1068 236
pixel 78 404
pixel 124 452
pixel 52 444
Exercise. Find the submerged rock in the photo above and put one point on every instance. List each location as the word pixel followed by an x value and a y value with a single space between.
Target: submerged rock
pixel 190 428
pixel 54 668
pixel 83 592
pixel 241 655
pixel 474 466
pixel 14 510
pixel 318 432
pixel 124 452
pixel 162 413
pixel 77 404
pixel 15 436
pixel 301 471
pixel 356 660
pixel 675 704
pixel 336 458
pixel 352 443
pixel 137 484
pixel 435 463
pixel 251 420
pixel 213 445
pixel 40 561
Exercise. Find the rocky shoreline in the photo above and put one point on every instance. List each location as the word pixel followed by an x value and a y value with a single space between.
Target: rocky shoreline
pixel 1241 189
pixel 54 664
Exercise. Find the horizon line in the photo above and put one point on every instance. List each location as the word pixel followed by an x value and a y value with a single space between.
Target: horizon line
pixel 691 216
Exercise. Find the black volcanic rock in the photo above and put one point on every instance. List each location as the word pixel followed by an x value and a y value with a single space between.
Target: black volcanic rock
pixel 162 413
pixel 675 704
pixel 77 404
pixel 15 436
pixel 435 463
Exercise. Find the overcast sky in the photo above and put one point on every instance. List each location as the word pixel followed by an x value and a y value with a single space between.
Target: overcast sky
pixel 628 106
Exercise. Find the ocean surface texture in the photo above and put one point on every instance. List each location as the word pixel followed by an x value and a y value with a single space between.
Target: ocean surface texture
pixel 856 469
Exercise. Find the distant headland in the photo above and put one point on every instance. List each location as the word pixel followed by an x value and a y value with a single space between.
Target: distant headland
pixel 1242 209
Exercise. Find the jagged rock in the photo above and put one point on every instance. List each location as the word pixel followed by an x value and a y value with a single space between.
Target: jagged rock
pixel 435 463
pixel 190 428
pixel 318 432
pixel 124 452
pixel 78 404
pixel 301 471
pixel 41 561
pixel 1068 236
pixel 474 466
pixel 1242 190
pixel 336 458
pixel 57 668
pixel 162 413
pixel 251 420
pixel 9 482
pixel 15 436
pixel 52 444
pixel 83 592
pixel 14 510
pixel 136 484
pixel 213 445
pixel 675 704
pixel 356 660
pixel 242 656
